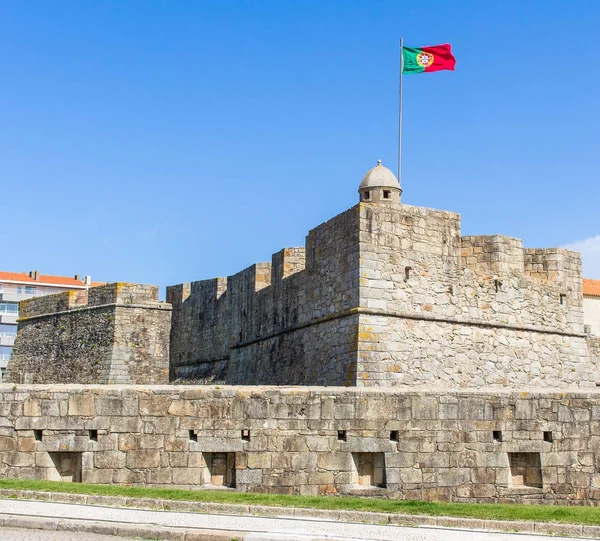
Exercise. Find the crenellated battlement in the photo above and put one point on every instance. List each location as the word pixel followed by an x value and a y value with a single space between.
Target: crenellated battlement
pixel 287 262
pixel 116 293
pixel 492 254
pixel 50 304
pixel 377 291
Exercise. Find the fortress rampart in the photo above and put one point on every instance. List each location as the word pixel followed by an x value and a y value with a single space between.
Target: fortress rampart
pixel 117 333
pixel 389 295
pixel 459 445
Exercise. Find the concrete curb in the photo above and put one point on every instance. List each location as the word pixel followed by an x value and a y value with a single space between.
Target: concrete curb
pixel 183 534
pixel 122 529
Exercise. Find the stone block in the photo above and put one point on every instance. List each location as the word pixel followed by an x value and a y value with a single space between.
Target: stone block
pixel 334 461
pixel 7 443
pixel 259 460
pixel 109 459
pixel 453 477
pixel 304 461
pixel 32 408
pixel 81 405
pixel 143 459
pixel 187 476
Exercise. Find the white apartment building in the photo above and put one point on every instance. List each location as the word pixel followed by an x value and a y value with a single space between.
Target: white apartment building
pixel 591 305
pixel 18 286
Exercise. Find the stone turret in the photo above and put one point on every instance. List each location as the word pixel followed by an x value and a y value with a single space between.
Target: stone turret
pixel 380 185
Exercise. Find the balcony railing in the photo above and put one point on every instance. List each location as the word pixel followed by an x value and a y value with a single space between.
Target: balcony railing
pixel 7 339
pixel 13 296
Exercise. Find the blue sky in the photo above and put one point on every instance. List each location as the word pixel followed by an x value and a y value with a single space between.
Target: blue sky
pixel 169 141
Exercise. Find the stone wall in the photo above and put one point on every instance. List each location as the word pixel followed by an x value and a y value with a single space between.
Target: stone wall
pixel 117 333
pixel 593 343
pixel 446 310
pixel 390 294
pixel 506 446
pixel 286 322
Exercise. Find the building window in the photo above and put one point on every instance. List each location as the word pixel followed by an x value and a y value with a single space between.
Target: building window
pixel 386 194
pixel 29 290
pixel 7 330
pixel 9 307
pixel 366 196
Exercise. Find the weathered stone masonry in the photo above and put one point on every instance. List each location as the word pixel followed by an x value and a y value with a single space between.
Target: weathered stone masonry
pixel 458 445
pixel 389 294
pixel 118 333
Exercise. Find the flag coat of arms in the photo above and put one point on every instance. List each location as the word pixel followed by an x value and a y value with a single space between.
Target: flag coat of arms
pixel 426 59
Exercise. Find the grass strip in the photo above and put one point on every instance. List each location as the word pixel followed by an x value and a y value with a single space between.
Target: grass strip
pixel 485 511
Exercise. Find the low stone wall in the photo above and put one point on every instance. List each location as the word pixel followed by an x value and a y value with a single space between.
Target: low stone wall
pixel 504 446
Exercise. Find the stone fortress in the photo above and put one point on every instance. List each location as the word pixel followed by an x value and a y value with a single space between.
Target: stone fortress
pixel 391 356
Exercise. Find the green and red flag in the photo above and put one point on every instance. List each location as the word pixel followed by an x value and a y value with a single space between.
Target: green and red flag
pixel 426 59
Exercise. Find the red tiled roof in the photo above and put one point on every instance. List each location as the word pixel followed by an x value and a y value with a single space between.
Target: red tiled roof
pixel 591 288
pixel 44 279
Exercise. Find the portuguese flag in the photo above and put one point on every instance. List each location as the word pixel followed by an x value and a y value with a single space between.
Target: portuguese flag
pixel 435 58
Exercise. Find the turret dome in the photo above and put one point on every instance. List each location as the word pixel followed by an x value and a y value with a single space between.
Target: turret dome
pixel 379 184
pixel 379 177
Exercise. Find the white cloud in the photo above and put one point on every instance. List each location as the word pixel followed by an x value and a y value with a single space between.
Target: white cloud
pixel 590 253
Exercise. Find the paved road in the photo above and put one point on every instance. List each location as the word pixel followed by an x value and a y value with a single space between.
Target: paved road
pixel 9 534
pixel 256 528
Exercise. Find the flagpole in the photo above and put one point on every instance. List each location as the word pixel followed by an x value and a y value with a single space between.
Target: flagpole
pixel 400 115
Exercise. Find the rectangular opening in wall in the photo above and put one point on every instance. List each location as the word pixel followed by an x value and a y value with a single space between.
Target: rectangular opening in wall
pixel 394 435
pixel 386 194
pixel 246 435
pixel 548 437
pixel 38 435
pixel 67 467
pixel 342 436
pixel 525 469
pixel 193 435
pixel 497 435
pixel 563 298
pixel 93 435
pixel 220 469
pixel 369 469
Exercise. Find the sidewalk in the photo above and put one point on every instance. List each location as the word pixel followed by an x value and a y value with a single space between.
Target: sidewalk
pixel 221 522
